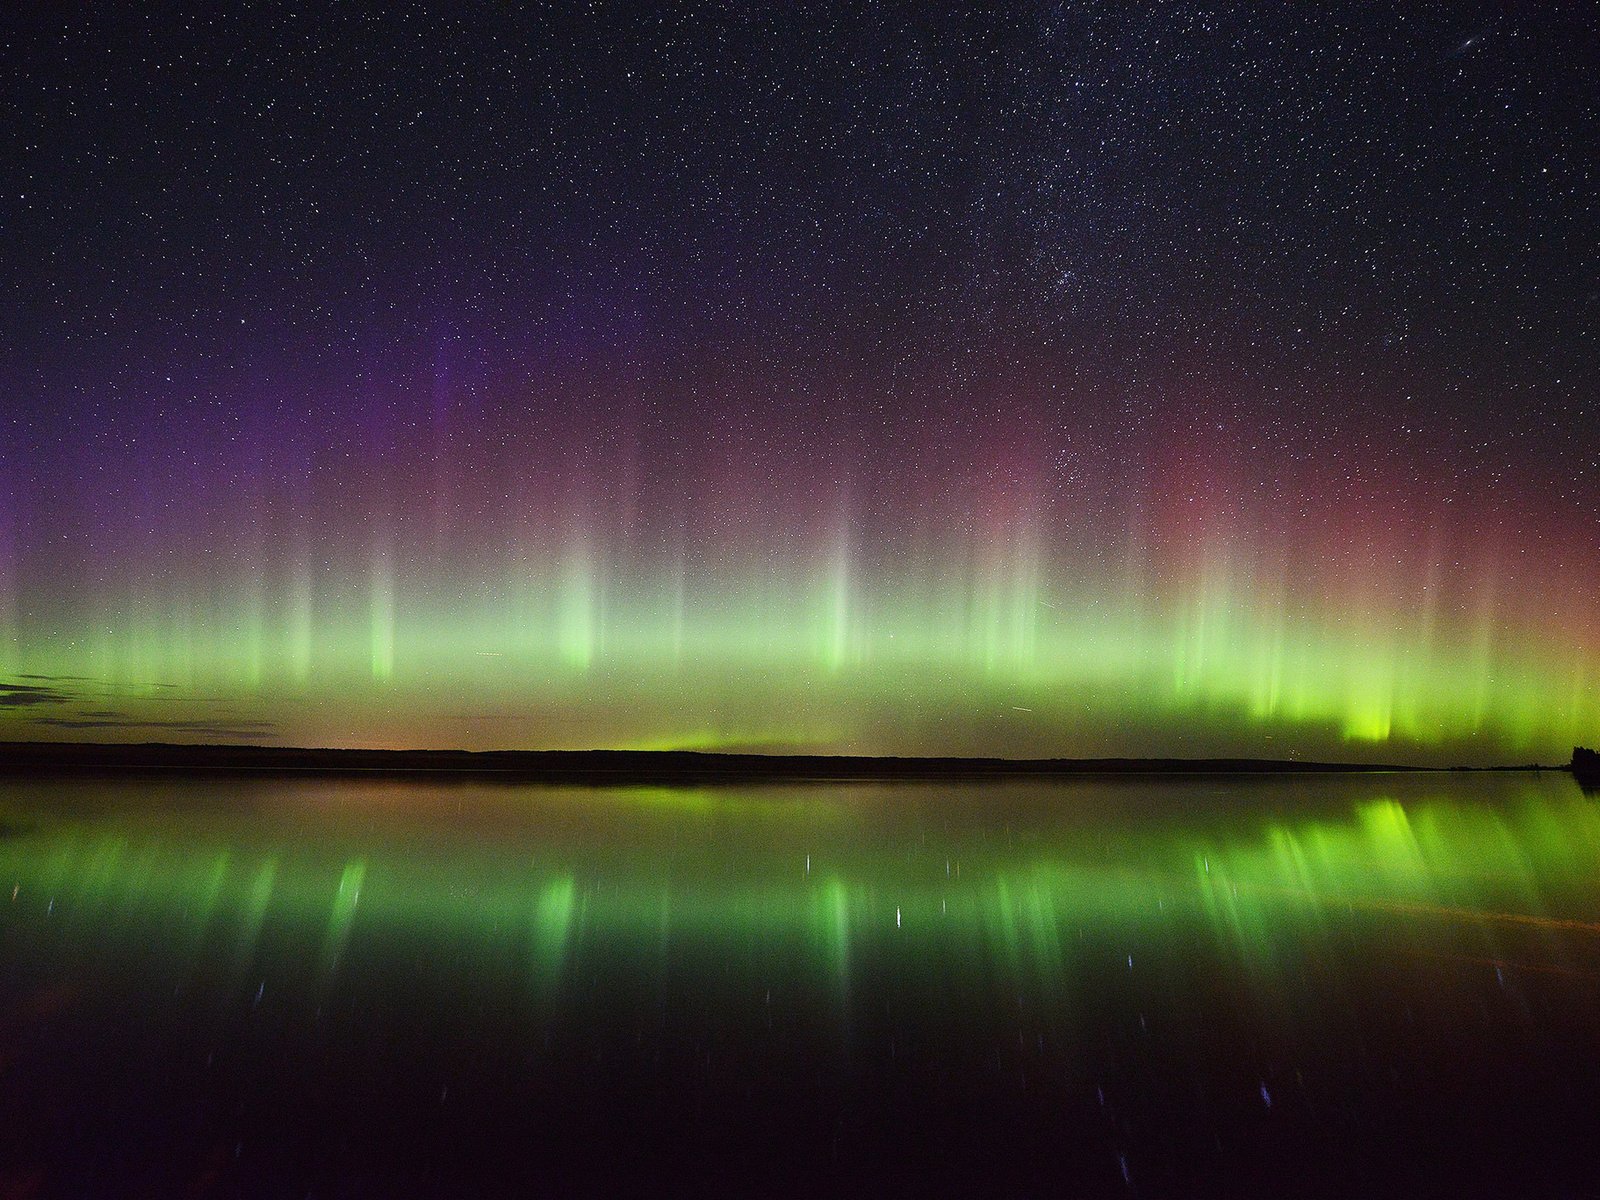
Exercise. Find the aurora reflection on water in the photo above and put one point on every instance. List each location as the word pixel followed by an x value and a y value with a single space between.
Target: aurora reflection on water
pixel 370 984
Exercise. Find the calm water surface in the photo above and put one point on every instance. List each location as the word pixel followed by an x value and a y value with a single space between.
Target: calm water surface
pixel 1362 986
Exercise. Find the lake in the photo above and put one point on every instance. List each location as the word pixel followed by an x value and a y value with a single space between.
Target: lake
pixel 1282 986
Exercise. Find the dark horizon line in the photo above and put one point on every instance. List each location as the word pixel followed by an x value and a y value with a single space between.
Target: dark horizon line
pixel 634 766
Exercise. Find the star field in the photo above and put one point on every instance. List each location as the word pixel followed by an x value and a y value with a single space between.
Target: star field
pixel 1051 379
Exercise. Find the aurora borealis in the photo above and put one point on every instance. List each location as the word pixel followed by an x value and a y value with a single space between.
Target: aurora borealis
pixel 1062 380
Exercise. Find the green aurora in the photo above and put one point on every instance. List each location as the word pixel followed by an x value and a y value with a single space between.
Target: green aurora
pixel 988 668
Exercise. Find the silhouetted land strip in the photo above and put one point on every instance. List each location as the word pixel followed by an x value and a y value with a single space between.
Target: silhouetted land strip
pixel 610 766
pixel 1586 766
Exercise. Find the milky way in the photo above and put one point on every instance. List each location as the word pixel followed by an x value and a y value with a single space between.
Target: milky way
pixel 1060 380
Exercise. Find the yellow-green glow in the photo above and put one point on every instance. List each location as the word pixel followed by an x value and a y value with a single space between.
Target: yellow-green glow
pixel 1001 661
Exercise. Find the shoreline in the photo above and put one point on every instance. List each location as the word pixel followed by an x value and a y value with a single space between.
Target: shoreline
pixel 681 767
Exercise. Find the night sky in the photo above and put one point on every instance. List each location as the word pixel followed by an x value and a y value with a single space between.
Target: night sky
pixel 1059 379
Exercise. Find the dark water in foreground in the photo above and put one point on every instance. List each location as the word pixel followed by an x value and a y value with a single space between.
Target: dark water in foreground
pixel 1334 986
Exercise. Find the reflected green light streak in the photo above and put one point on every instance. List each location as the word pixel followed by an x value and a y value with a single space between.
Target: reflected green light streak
pixel 830 929
pixel 551 928
pixel 343 915
pixel 256 901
